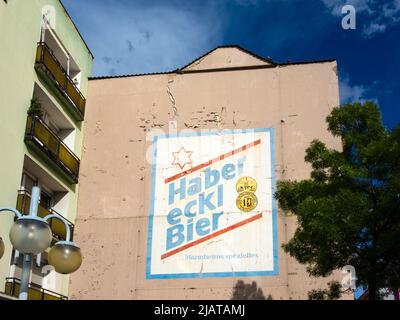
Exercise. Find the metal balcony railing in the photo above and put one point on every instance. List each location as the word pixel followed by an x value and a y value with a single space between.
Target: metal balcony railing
pixel 46 141
pixel 46 60
pixel 35 291
pixel 57 227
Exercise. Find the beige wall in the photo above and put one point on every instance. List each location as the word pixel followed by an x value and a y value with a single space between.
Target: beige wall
pixel 114 196
pixel 229 57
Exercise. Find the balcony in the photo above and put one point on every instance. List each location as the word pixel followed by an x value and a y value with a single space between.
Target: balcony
pixel 35 291
pixel 51 148
pixel 55 75
pixel 57 227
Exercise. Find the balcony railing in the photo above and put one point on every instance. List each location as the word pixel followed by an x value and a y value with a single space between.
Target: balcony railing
pixel 47 61
pixel 57 227
pixel 47 143
pixel 35 292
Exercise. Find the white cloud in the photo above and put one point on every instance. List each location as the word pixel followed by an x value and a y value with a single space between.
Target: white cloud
pixel 378 17
pixel 354 93
pixel 147 38
pixel 360 5
pixel 373 28
pixel 391 11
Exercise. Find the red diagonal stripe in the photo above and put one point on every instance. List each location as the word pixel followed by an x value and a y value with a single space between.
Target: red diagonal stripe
pixel 211 235
pixel 210 162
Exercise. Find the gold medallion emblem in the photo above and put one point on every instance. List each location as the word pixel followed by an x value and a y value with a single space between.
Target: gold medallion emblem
pixel 246 184
pixel 246 201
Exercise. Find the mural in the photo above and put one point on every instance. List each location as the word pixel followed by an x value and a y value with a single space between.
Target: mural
pixel 212 212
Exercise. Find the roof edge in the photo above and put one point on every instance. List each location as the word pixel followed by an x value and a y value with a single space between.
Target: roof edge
pixel 132 75
pixel 266 60
pixel 76 28
pixel 181 71
pixel 290 63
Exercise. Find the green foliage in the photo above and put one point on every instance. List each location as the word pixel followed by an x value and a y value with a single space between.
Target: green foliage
pixel 349 211
pixel 244 291
pixel 35 109
pixel 333 292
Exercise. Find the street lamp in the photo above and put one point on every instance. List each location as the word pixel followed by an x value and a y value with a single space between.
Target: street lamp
pixel 65 257
pixel 32 235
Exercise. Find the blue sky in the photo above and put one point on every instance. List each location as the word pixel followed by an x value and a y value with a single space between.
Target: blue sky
pixel 140 36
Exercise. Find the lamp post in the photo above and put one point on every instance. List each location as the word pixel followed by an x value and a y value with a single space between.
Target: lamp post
pixel 31 235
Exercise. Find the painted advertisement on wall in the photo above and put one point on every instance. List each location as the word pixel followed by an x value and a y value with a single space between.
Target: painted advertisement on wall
pixel 212 211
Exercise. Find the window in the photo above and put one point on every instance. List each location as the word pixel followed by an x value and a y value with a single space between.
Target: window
pixel 47 120
pixel 45 200
pixel 28 181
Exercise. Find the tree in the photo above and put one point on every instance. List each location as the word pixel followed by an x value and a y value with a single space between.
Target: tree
pixel 334 292
pixel 348 212
pixel 244 291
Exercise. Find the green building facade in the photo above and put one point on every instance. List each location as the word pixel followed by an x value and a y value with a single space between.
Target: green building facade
pixel 44 70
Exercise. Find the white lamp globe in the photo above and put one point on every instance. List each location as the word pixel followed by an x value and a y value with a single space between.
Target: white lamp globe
pixel 65 257
pixel 30 235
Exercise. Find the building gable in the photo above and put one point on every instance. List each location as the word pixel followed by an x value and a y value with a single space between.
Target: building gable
pixel 226 57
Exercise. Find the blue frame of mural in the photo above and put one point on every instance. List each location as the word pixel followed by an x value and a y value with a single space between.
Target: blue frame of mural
pixel 273 272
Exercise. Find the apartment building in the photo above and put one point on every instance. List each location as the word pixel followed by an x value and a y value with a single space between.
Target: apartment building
pixel 43 86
